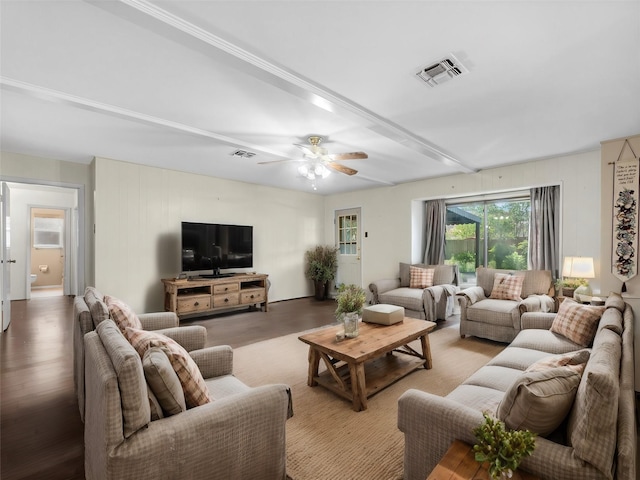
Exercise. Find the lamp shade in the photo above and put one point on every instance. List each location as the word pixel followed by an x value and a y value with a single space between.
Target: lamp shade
pixel 578 267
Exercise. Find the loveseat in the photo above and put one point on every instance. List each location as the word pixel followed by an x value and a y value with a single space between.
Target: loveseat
pixel 90 309
pixel 492 308
pixel 140 425
pixel 589 409
pixel 433 299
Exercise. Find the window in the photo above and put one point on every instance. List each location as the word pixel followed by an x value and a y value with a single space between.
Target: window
pixel 348 234
pixel 491 233
pixel 47 232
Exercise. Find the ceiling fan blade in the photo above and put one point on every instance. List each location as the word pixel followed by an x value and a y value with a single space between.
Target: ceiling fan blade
pixel 341 168
pixel 278 161
pixel 347 156
pixel 307 150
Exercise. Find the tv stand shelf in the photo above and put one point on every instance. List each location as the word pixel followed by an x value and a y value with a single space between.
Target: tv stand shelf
pixel 199 296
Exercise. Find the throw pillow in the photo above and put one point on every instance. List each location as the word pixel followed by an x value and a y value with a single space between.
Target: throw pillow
pixel 577 322
pixel 163 381
pixel 575 360
pixel 539 400
pixel 193 384
pixel 507 287
pixel 421 277
pixel 122 314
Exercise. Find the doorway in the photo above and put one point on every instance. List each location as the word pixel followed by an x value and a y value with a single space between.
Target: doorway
pixel 47 265
pixel 348 238
pixel 25 196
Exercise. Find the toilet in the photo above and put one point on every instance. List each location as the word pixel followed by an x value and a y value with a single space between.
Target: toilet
pixel 33 278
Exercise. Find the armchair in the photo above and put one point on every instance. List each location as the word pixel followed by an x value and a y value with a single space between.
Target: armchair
pixel 497 317
pixel 431 303
pixel 90 310
pixel 240 433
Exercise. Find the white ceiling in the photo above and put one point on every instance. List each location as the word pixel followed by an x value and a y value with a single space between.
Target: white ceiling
pixel 182 84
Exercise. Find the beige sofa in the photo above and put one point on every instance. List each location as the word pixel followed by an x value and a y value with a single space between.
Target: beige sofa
pixel 499 319
pixel 240 433
pixel 597 439
pixel 89 310
pixel 431 303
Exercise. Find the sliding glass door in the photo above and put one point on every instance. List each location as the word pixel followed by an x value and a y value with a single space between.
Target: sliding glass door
pixel 491 233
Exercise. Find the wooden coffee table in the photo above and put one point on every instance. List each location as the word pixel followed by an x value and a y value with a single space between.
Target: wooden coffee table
pixel 357 368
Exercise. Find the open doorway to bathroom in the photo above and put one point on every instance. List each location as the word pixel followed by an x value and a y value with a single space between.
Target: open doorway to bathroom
pixel 48 252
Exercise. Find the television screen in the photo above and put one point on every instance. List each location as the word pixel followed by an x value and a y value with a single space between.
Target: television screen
pixel 209 247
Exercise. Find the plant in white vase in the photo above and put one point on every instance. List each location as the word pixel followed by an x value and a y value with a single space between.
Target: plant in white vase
pixel 350 299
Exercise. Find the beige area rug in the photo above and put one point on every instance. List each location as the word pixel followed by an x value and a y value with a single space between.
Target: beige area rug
pixel 326 439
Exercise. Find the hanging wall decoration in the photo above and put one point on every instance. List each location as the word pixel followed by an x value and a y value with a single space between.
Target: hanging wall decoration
pixel 624 261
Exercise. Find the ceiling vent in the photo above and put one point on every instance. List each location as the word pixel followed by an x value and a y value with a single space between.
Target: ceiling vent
pixel 242 154
pixel 442 71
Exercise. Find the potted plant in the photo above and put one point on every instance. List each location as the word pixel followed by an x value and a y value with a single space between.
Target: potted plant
pixel 321 265
pixel 503 449
pixel 350 299
pixel 567 286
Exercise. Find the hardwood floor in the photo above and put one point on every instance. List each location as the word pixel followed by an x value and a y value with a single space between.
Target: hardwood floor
pixel 41 435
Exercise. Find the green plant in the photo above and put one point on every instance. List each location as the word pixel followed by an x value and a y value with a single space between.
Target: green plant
pixel 503 449
pixel 571 283
pixel 321 263
pixel 350 298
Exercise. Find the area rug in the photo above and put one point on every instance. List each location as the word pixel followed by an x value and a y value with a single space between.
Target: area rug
pixel 326 439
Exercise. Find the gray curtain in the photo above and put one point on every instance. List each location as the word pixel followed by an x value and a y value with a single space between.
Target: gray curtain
pixel 544 230
pixel 435 224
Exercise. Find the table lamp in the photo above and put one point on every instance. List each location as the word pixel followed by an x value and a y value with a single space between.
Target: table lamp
pixel 579 268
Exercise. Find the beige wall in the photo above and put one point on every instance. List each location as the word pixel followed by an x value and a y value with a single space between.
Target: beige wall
pixel 138 211
pixel 392 216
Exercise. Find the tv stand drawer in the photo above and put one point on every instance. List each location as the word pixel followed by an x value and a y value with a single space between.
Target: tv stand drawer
pixel 226 288
pixel 194 303
pixel 228 300
pixel 252 296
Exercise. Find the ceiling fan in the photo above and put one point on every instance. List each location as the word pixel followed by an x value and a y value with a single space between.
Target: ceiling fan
pixel 317 160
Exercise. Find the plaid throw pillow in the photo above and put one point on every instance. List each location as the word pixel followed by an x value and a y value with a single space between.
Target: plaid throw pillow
pixel 577 322
pixel 507 287
pixel 122 314
pixel 195 389
pixel 420 277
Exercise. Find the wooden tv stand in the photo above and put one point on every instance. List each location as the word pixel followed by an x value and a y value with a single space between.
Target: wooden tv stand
pixel 199 296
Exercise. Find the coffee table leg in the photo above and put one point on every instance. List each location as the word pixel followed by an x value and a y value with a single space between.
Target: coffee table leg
pixel 314 363
pixel 426 351
pixel 358 386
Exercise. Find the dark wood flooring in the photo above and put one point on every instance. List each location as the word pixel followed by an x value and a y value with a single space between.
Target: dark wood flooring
pixel 41 435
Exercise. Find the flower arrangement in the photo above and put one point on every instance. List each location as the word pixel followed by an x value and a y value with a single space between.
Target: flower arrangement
pixel 503 449
pixel 350 299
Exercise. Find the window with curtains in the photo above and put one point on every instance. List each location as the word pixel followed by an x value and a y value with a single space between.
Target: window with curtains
pixel 488 232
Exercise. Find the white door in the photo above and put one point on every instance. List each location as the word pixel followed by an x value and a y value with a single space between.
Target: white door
pixel 348 238
pixel 5 257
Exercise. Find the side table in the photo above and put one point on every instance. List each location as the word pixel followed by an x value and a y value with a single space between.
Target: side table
pixel 459 463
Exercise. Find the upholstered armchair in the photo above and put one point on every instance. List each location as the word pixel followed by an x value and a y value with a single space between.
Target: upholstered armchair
pixel 90 309
pixel 492 308
pixel 135 429
pixel 431 301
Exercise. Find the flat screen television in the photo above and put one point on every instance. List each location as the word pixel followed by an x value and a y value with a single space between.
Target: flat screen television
pixel 209 247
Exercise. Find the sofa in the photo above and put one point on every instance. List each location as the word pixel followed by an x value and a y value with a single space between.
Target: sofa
pixel 586 424
pixel 90 309
pixel 431 300
pixel 492 309
pixel 146 420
